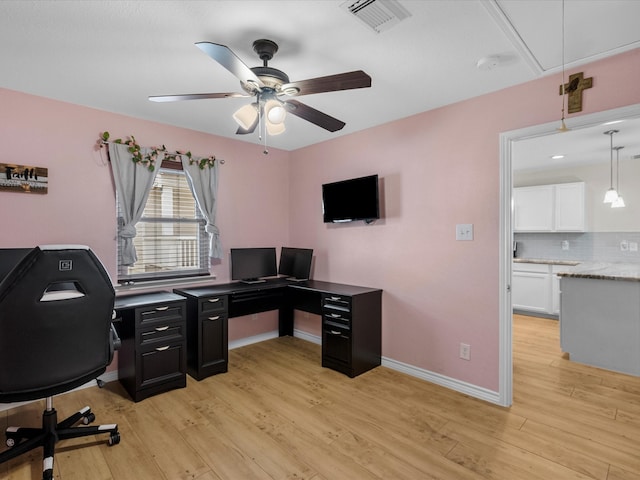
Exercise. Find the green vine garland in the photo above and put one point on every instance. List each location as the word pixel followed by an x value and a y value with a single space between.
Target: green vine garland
pixel 150 158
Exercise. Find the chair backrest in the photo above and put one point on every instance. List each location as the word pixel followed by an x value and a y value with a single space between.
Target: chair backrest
pixel 56 308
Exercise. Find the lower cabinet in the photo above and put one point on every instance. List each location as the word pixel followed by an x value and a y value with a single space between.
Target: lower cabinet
pixel 207 334
pixel 351 332
pixel 152 357
pixel 535 287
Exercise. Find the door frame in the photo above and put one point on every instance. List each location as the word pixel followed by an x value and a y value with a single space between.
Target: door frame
pixel 507 139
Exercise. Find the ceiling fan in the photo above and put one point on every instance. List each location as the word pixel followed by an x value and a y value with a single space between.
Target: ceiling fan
pixel 272 90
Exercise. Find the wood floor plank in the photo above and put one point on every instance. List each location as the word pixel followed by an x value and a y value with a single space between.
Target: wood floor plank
pixel 277 414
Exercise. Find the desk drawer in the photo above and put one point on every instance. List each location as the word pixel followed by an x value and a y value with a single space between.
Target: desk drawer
pixel 169 332
pixel 333 302
pixel 338 317
pixel 218 303
pixel 160 313
pixel 160 365
pixel 336 343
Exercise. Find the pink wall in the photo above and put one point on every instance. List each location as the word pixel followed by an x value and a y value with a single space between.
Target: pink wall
pixel 80 205
pixel 438 168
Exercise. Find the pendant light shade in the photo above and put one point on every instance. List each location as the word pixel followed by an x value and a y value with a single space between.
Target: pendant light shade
pixel 611 194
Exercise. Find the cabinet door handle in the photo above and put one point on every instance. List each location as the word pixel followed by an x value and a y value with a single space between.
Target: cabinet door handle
pixel 213 318
pixel 162 349
pixel 213 300
pixel 162 329
pixel 162 309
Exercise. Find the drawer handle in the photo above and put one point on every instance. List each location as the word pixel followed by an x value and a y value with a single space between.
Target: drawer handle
pixel 162 309
pixel 335 332
pixel 162 349
pixel 336 315
pixel 213 300
pixel 213 318
pixel 162 329
pixel 334 298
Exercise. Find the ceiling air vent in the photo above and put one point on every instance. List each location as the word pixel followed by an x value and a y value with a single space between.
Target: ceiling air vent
pixel 379 15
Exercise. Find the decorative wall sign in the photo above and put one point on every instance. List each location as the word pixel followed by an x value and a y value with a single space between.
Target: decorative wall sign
pixel 23 178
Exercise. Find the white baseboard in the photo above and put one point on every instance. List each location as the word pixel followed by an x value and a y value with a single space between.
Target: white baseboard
pixel 444 381
pixel 251 340
pixel 436 378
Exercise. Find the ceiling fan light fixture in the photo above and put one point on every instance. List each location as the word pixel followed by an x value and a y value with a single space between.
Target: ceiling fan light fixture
pixel 274 111
pixel 246 115
pixel 291 91
pixel 275 128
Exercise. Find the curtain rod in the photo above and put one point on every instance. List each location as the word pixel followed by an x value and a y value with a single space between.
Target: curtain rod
pixel 104 142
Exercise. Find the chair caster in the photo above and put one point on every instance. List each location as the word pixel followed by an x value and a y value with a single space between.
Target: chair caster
pixel 114 439
pixel 88 418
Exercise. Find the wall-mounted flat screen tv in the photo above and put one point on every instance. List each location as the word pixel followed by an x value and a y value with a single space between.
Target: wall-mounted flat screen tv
pixel 295 263
pixel 350 200
pixel 252 265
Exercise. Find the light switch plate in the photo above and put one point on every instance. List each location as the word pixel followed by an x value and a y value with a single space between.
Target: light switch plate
pixel 464 231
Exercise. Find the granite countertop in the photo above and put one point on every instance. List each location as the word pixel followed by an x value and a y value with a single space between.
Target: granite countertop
pixel 594 270
pixel 546 261
pixel 604 271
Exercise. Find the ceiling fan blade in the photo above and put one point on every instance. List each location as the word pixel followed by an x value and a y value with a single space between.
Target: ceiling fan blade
pixel 229 60
pixel 314 116
pixel 196 96
pixel 331 83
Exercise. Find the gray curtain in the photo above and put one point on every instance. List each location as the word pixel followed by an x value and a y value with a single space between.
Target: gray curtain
pixel 133 183
pixel 204 186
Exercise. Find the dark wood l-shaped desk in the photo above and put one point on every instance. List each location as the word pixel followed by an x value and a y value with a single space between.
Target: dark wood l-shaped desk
pixel 351 318
pixel 154 327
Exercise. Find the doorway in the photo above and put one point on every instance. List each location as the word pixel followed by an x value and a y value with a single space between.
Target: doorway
pixel 507 142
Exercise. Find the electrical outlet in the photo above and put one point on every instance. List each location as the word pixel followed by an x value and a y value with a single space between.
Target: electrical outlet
pixel 254 316
pixel 565 245
pixel 465 351
pixel 624 246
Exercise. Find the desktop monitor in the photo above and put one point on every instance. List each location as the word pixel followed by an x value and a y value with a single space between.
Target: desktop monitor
pixel 295 263
pixel 253 264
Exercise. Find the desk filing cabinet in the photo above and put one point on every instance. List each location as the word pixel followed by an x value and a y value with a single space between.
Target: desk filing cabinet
pixel 207 333
pixel 152 357
pixel 351 332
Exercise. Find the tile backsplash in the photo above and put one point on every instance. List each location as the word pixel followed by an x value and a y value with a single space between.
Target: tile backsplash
pixel 587 246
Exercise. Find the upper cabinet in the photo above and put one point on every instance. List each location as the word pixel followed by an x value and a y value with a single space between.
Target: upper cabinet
pixel 549 208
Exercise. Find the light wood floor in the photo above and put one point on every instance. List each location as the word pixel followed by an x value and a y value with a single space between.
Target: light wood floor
pixel 278 414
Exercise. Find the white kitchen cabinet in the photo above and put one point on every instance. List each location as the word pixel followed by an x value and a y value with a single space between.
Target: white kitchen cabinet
pixel 531 287
pixel 549 208
pixel 533 209
pixel 555 288
pixel 569 207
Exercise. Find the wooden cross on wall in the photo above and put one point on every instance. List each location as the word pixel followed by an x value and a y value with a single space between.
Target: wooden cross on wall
pixel 574 88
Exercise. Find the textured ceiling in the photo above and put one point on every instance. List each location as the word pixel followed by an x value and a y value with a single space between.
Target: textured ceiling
pixel 112 55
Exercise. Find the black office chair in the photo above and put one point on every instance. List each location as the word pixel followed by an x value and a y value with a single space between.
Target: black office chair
pixel 56 305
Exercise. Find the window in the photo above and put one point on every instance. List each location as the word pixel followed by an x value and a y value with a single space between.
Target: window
pixel 171 241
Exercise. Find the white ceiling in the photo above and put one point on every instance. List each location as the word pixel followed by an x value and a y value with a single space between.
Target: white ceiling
pixel 112 55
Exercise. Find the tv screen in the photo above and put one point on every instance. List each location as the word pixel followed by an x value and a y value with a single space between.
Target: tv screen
pixel 350 200
pixel 295 263
pixel 253 264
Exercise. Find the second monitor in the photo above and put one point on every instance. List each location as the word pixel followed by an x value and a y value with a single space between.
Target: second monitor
pixel 295 263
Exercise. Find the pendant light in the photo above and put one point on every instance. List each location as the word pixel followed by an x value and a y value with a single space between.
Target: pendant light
pixel 619 201
pixel 611 194
pixel 563 127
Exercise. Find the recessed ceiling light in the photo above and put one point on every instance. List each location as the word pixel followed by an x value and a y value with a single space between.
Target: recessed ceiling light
pixel 557 157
